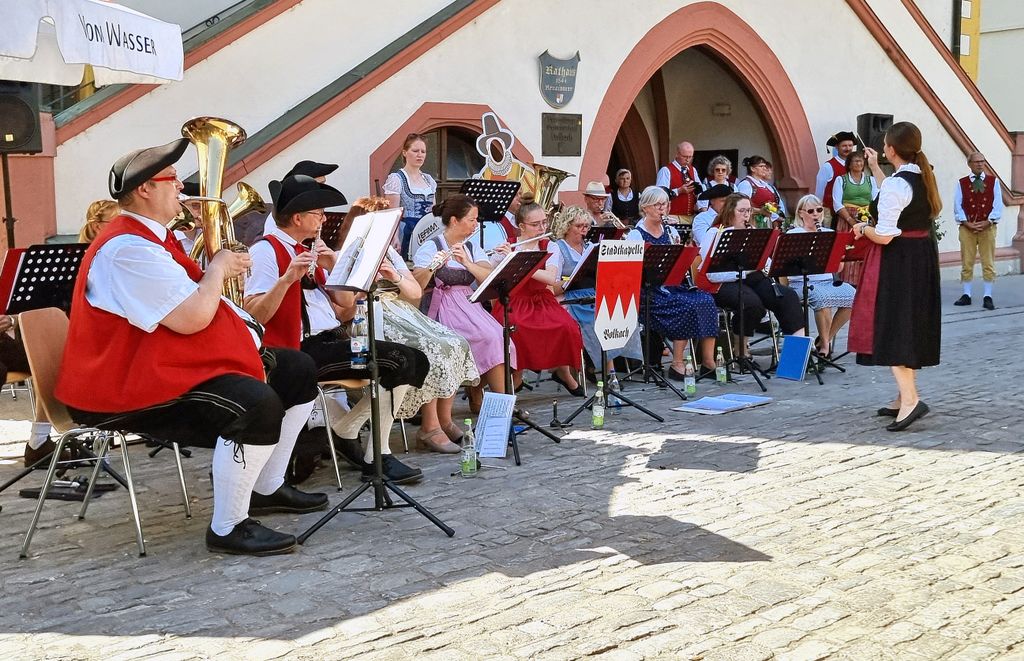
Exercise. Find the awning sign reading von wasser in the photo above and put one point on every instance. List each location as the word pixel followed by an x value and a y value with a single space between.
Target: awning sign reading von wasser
pixel 558 78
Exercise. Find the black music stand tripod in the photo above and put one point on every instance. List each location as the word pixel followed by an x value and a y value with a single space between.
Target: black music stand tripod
pixel 516 268
pixel 660 261
pixel 737 251
pixel 380 484
pixel 493 197
pixel 803 254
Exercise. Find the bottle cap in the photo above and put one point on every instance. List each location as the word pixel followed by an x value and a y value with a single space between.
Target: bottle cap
pixel 469 421
pixel 600 383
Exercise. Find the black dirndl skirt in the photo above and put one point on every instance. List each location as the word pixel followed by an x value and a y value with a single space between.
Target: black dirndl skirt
pixel 897 316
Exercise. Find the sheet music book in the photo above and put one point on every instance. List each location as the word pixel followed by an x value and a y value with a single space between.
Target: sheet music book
pixel 723 404
pixel 517 267
pixel 796 351
pixel 364 250
pixel 493 424
pixel 584 276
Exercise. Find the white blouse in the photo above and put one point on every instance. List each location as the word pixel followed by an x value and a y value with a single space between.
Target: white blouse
pixel 893 197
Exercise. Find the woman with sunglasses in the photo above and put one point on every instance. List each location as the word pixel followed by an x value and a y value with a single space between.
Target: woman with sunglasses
pixel 719 173
pixel 763 196
pixel 831 299
pixel 677 313
pixel 757 291
pixel 546 336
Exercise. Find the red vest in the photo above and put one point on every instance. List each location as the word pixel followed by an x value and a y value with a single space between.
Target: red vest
pixel 684 203
pixel 284 329
pixel 838 170
pixel 977 206
pixel 112 366
pixel 761 195
pixel 510 229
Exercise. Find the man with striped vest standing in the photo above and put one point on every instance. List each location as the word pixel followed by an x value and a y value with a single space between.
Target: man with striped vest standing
pixel 977 208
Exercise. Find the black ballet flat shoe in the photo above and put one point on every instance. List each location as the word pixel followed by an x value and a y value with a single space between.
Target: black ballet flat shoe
pixel 577 392
pixel 963 300
pixel 987 303
pixel 708 373
pixel 675 374
pixel 394 470
pixel 287 499
pixel 919 411
pixel 250 538
pixel 886 412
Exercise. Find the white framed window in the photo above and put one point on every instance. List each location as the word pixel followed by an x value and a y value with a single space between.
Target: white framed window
pixel 965 8
pixel 965 44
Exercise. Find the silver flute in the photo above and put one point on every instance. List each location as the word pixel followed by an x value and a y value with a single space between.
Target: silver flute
pixel 441 257
pixel 312 265
pixel 522 243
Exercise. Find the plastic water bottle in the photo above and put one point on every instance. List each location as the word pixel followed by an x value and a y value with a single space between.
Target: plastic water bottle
pixel 614 403
pixel 360 340
pixel 597 410
pixel 689 376
pixel 468 464
pixel 721 375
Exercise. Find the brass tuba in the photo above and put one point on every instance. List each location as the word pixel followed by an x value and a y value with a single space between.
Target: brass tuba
pixel 547 181
pixel 214 138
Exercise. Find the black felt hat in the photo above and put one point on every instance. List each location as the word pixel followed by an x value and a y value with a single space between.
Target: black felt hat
pixel 300 193
pixel 190 188
pixel 715 192
pixel 311 169
pixel 137 167
pixel 842 136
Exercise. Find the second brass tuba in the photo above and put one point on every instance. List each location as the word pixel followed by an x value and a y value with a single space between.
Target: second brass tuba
pixel 214 138
pixel 548 179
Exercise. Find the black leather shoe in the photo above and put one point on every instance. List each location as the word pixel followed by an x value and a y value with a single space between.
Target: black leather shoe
pixel 987 303
pixel 287 499
pixel 919 412
pixel 250 538
pixel 886 412
pixel 394 470
pixel 33 455
pixel 578 392
pixel 350 449
pixel 675 375
pixel 963 300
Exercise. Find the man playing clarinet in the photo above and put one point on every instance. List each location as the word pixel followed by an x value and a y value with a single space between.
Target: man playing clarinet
pixel 157 349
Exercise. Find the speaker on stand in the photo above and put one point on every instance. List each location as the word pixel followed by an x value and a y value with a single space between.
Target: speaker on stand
pixel 871 128
pixel 19 134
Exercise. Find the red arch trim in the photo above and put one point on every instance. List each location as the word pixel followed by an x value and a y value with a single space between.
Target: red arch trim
pixel 740 49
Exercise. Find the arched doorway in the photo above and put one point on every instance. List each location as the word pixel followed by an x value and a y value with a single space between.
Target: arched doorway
pixel 716 36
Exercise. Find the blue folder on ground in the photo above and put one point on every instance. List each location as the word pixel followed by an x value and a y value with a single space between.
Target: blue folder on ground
pixel 796 350
pixel 722 404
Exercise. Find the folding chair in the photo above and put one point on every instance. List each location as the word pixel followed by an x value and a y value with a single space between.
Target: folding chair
pixel 45 333
pixel 321 393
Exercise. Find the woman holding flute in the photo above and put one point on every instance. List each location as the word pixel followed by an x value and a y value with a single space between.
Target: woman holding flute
pixel 545 334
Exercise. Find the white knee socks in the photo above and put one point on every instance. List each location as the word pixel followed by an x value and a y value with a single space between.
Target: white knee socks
pixel 272 476
pixel 40 434
pixel 967 287
pixel 988 288
pixel 233 482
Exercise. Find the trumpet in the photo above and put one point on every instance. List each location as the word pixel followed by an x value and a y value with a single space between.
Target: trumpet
pixel 521 243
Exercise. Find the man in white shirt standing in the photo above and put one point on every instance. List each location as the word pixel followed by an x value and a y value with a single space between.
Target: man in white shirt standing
pixel 157 349
pixel 682 183
pixel 977 208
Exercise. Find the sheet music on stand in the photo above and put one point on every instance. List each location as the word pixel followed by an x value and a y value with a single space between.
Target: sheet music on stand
pixel 509 275
pixel 492 197
pixel 597 234
pixel 365 248
pixel 735 250
pixel 44 278
pixel 665 265
pixel 584 276
pixel 803 253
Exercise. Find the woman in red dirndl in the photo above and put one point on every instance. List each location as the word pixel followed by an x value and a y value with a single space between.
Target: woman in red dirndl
pixel 897 313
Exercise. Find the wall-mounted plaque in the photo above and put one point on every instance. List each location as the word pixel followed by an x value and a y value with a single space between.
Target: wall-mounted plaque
pixel 558 78
pixel 561 134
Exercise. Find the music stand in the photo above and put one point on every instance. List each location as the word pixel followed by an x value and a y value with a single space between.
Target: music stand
pixel 508 276
pixel 665 265
pixel 854 251
pixel 493 198
pixel 331 227
pixel 46 277
pixel 597 234
pixel 803 254
pixel 367 252
pixel 737 251
pixel 585 277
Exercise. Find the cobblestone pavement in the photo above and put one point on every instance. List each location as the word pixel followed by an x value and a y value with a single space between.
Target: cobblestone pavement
pixel 799 530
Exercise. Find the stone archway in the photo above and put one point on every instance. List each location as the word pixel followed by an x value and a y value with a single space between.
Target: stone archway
pixel 740 49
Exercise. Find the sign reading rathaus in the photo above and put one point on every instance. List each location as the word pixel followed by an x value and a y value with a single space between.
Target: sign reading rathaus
pixel 558 79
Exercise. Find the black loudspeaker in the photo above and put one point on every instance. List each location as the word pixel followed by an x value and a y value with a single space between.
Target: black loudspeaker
pixel 871 128
pixel 19 118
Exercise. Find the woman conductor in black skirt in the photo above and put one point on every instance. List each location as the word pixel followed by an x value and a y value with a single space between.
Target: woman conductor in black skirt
pixel 897 313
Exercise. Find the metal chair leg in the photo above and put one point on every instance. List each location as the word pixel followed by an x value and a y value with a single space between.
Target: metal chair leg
pixel 405 438
pixel 98 464
pixel 131 494
pixel 322 396
pixel 181 480
pixel 50 474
